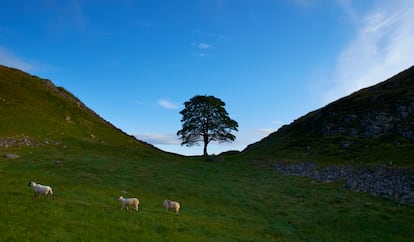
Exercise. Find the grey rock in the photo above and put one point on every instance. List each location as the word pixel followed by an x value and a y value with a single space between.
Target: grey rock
pixel 382 181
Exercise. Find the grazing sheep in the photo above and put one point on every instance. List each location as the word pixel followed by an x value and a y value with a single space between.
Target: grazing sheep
pixel 168 204
pixel 129 202
pixel 41 189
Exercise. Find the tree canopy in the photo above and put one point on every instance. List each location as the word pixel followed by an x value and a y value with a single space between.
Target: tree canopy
pixel 204 119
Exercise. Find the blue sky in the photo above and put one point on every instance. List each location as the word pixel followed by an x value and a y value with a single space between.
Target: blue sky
pixel 271 61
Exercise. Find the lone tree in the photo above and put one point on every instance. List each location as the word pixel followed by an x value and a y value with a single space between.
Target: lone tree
pixel 205 119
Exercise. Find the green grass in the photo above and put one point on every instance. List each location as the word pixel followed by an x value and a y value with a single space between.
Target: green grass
pixel 230 200
pixel 34 108
pixel 221 201
pixel 329 150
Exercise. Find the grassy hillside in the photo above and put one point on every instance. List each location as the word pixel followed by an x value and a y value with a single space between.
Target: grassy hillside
pixel 222 201
pixel 34 110
pixel 89 164
pixel 372 126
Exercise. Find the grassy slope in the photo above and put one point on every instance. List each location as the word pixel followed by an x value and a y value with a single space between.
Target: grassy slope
pixel 226 201
pixel 35 108
pixel 301 140
pixel 221 201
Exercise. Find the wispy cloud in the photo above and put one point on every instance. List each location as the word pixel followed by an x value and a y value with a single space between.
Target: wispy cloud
pixel 201 54
pixel 203 49
pixel 382 47
pixel 8 58
pixel 167 104
pixel 159 139
pixel 263 132
pixel 346 6
pixel 204 46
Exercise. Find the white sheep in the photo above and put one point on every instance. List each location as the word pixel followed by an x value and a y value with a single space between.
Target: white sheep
pixel 41 189
pixel 125 202
pixel 168 204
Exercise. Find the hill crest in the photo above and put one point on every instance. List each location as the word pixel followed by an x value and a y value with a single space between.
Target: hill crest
pixel 40 113
pixel 377 116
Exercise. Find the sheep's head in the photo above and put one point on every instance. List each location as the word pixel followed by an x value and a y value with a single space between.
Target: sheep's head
pixel 31 183
pixel 121 198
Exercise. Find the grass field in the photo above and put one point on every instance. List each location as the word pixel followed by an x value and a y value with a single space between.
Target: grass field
pixel 90 163
pixel 231 200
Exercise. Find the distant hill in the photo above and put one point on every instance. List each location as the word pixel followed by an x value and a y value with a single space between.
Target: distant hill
pixel 34 112
pixel 372 125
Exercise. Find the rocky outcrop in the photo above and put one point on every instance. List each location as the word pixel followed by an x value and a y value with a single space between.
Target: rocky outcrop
pixel 382 181
pixel 373 118
pixel 386 109
pixel 11 142
pixel 396 119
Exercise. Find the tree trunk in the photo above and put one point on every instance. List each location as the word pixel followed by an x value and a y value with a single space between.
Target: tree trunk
pixel 205 151
pixel 205 146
